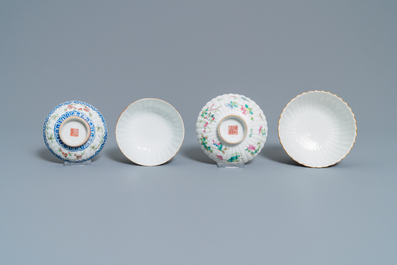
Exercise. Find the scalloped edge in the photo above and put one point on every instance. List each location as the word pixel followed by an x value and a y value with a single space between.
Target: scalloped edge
pixel 93 108
pixel 355 124
pixel 198 136
pixel 140 164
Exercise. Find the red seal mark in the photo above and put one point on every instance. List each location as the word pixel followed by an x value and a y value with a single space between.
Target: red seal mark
pixel 233 130
pixel 74 132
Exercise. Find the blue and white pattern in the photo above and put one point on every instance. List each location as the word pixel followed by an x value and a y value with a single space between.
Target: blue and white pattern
pixel 74 114
pixel 94 144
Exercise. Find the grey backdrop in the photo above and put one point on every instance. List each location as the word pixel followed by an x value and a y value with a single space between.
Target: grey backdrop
pixel 111 53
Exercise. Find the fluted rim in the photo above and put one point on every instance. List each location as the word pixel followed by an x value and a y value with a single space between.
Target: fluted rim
pixel 154 99
pixel 207 129
pixel 321 91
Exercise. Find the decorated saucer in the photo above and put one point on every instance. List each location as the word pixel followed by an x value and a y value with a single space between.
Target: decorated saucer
pixel 75 131
pixel 317 129
pixel 150 132
pixel 231 129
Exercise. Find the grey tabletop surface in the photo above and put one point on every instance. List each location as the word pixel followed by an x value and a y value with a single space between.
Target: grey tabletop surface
pixel 188 211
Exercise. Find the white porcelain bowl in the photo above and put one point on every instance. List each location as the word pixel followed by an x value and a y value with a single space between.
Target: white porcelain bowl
pixel 317 129
pixel 231 129
pixel 150 132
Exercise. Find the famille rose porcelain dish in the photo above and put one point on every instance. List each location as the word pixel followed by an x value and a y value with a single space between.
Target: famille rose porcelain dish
pixel 231 129
pixel 75 131
pixel 317 129
pixel 150 132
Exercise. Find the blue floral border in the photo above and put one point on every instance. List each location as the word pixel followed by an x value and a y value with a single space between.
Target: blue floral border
pixel 66 115
pixel 81 103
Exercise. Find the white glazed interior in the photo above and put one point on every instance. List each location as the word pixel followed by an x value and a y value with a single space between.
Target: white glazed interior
pixel 317 129
pixel 150 132
pixel 74 123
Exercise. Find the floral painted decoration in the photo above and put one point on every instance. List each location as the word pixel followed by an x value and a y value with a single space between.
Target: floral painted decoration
pixel 208 116
pixel 98 131
pixel 211 115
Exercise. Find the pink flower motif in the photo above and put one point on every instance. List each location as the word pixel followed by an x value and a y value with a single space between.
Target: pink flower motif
pixel 206 124
pixel 260 129
pixel 244 110
pixel 219 157
pixel 251 147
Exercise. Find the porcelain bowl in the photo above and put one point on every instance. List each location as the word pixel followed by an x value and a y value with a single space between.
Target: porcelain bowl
pixel 317 129
pixel 231 129
pixel 75 131
pixel 150 132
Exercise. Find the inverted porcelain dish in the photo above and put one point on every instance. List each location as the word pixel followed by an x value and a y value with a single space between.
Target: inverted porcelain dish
pixel 231 129
pixel 75 131
pixel 150 132
pixel 317 129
